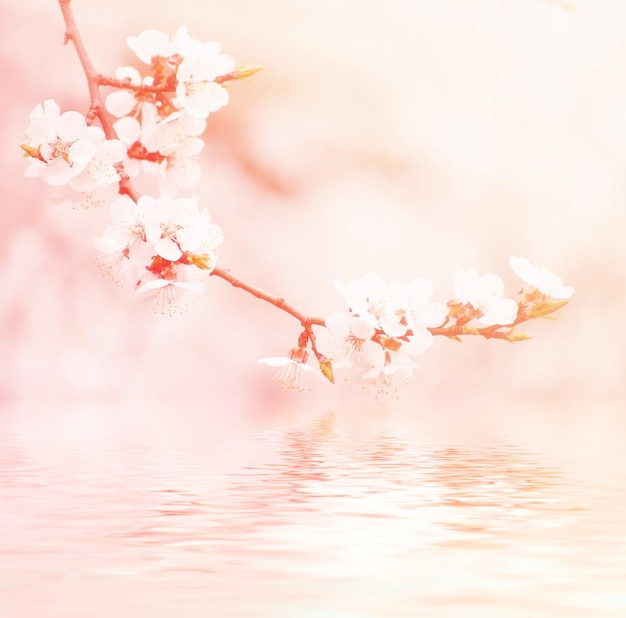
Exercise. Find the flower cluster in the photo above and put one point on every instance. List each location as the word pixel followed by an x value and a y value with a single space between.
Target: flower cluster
pixel 154 123
pixel 541 284
pixel 384 332
pixel 64 150
pixel 161 115
pixel 482 297
pixel 164 245
pixel 389 325
pixel 167 245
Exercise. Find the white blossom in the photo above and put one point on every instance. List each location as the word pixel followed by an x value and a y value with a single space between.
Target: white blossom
pixel 165 148
pixel 197 91
pixel 151 44
pixel 169 294
pixel 387 377
pixel 167 244
pixel 419 309
pixel 71 156
pixel 60 145
pixel 485 293
pixel 378 303
pixel 290 374
pixel 102 168
pixel 371 357
pixel 385 331
pixel 197 65
pixel 538 278
pixel 123 102
pixel 344 337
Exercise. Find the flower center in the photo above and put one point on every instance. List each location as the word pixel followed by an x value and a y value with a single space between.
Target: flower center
pixel 60 149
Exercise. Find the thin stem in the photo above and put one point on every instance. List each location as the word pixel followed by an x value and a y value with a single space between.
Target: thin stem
pixel 96 107
pixel 94 81
pixel 488 332
pixel 103 80
pixel 454 331
pixel 72 34
pixel 122 84
pixel 277 301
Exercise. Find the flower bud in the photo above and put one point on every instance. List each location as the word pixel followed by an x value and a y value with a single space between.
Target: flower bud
pixel 327 369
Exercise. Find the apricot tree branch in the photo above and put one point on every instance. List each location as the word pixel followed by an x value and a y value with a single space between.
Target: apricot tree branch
pixel 277 301
pixel 96 108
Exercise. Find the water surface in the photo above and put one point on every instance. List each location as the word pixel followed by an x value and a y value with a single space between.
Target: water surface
pixel 189 509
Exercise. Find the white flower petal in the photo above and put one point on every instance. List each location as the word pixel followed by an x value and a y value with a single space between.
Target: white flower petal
pixel 154 284
pixel 120 103
pixel 72 126
pixel 338 323
pixel 361 328
pixel 168 249
pixel 128 129
pixel 150 43
pixel 538 277
pixel 503 311
pixel 276 361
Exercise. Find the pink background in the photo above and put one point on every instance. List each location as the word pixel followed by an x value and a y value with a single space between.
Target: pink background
pixel 407 137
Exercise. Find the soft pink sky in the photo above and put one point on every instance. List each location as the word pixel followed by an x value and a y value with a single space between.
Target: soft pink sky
pixel 408 137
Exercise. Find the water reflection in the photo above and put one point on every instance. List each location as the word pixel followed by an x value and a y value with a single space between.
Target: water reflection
pixel 303 515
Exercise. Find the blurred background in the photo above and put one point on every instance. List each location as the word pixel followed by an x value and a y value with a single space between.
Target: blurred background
pixel 408 137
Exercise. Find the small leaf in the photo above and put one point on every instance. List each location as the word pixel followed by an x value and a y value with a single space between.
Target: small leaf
pixel 543 309
pixel 29 151
pixel 514 336
pixel 246 71
pixel 243 72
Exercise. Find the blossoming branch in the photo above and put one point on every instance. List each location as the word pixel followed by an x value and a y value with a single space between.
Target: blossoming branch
pixel 151 124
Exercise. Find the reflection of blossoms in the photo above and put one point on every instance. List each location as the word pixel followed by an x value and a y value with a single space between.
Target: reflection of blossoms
pixel 166 244
pixel 538 278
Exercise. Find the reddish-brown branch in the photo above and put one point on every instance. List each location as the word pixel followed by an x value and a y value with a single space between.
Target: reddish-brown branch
pixel 455 331
pixel 167 88
pixel 94 81
pixel 277 301
pixel 97 105
pixel 96 108
pixel 123 84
